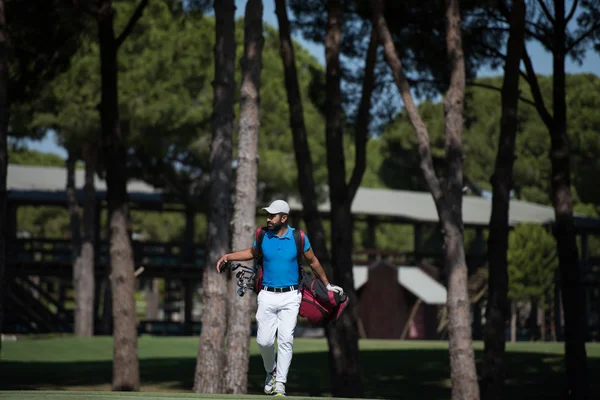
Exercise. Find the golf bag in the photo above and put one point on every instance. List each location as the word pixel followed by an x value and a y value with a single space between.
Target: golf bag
pixel 318 304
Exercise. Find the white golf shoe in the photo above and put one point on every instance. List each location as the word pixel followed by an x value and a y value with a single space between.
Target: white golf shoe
pixel 279 389
pixel 270 383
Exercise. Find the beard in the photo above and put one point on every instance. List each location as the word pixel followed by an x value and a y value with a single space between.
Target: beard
pixel 274 227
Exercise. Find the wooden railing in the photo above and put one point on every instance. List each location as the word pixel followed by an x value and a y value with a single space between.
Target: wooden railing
pixel 163 257
pixel 145 253
pixel 172 253
pixel 168 253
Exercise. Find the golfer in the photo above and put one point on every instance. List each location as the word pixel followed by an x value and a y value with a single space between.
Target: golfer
pixel 279 299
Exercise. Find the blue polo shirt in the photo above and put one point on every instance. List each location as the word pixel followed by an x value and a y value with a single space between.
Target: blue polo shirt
pixel 280 259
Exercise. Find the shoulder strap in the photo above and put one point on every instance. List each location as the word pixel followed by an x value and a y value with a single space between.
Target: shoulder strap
pixel 259 235
pixel 299 239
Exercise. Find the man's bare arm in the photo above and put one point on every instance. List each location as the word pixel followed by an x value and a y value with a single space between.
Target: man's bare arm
pixel 240 255
pixel 315 265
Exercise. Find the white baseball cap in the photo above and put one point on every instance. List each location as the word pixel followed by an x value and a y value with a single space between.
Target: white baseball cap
pixel 277 207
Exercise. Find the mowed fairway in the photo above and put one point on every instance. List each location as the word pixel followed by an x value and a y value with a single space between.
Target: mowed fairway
pixel 391 369
pixel 80 395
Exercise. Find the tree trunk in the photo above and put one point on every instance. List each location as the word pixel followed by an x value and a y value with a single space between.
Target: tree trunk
pixel 514 316
pixel 555 315
pixel 151 295
pixel 126 376
pixel 344 355
pixel 564 230
pixel 343 339
pixel 306 182
pixel 189 257
pixel 557 318
pixel 244 217
pixel 4 116
pixel 448 199
pixel 344 361
pixel 107 311
pixel 346 378
pixel 87 278
pixel 83 316
pixel 497 309
pixel 532 321
pixel 211 358
pixel 543 321
pixel 462 357
pixel 513 321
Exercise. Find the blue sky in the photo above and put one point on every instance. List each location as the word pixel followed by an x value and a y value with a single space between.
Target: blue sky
pixel 542 62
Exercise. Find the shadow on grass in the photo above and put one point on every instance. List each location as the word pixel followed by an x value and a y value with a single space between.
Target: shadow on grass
pixel 406 374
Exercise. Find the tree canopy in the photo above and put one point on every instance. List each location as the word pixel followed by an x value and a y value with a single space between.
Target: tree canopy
pixel 532 263
pixel 166 70
pixel 482 127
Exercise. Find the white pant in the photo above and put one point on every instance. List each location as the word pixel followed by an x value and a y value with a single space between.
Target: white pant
pixel 277 312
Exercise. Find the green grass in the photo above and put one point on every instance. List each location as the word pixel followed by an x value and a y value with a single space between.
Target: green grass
pixel 79 395
pixel 62 395
pixel 391 369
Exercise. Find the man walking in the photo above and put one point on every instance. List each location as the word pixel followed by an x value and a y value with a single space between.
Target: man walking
pixel 279 299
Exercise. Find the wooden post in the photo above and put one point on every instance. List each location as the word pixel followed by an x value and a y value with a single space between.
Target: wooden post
pixel 413 312
pixel 513 321
pixel 418 242
pixel 370 240
pixel 585 269
pixel 477 316
pixel 188 288
pixel 97 247
pixel 151 294
pixel 11 232
pixel 542 313
pixel 189 285
pixel 12 210
pixel 107 309
pixel 557 308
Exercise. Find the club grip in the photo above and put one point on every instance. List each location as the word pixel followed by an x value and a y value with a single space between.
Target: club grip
pixel 224 266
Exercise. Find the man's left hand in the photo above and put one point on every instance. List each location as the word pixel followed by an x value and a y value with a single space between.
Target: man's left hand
pixel 334 288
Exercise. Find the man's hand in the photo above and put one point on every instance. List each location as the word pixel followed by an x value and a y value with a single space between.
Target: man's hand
pixel 334 288
pixel 221 261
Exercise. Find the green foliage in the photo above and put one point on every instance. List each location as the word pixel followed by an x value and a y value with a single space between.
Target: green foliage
pixel 591 211
pixel 166 226
pixel 480 138
pixel 158 226
pixel 165 94
pixel 42 37
pixel 532 263
pixel 584 129
pixel 44 222
pixel 23 156
pixel 587 210
pixel 165 73
pixel 277 165
pixel 69 104
pixel 51 222
pixel 418 31
pixel 394 237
